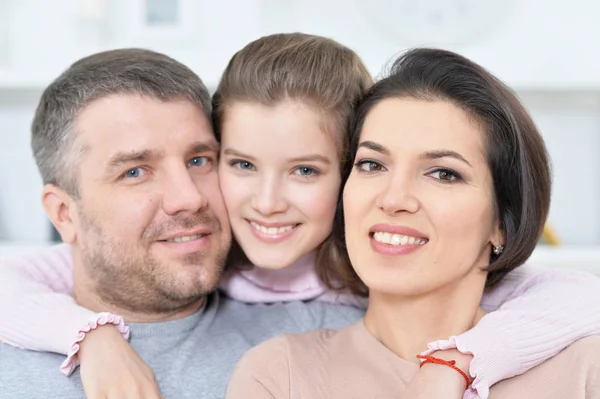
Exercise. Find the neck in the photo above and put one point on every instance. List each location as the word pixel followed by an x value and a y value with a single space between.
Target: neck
pixel 406 324
pixel 85 293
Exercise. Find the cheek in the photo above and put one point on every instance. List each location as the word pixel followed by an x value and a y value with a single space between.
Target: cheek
pixel 124 215
pixel 468 218
pixel 357 198
pixel 209 187
pixel 323 209
pixel 235 192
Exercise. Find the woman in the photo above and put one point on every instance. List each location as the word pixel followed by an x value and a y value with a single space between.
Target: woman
pixel 283 143
pixel 448 191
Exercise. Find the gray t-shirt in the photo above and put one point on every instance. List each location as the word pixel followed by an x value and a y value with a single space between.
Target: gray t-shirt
pixel 191 358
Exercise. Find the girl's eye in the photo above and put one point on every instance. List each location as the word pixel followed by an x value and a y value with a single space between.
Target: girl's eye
pixel 445 175
pixel 198 161
pixel 134 173
pixel 306 171
pixel 243 165
pixel 368 166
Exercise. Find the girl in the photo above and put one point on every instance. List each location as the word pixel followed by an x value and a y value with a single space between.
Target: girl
pixel 280 113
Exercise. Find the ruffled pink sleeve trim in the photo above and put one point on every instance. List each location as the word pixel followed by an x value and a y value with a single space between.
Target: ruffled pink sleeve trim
pixel 72 361
pixel 478 388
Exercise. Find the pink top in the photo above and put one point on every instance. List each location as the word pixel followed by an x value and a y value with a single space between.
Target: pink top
pixel 535 313
pixel 352 363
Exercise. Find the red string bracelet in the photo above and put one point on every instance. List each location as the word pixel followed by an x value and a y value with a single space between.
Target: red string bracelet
pixel 449 363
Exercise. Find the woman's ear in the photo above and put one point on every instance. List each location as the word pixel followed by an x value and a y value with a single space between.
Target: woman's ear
pixel 61 209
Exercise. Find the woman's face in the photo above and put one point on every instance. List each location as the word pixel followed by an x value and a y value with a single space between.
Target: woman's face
pixel 280 178
pixel 419 203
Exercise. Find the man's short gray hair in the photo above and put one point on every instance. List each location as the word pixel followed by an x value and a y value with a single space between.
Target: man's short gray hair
pixel 123 71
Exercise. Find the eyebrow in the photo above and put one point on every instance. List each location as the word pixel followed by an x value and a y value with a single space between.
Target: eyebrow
pixel 234 153
pixel 307 158
pixel 436 154
pixel 200 146
pixel 144 156
pixel 311 158
pixel 445 154
pixel 123 158
pixel 371 145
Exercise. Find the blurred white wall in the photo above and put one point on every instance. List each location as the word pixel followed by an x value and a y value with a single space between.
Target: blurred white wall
pixel 548 51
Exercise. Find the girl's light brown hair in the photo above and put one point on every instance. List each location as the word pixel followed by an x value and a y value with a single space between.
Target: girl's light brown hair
pixel 316 71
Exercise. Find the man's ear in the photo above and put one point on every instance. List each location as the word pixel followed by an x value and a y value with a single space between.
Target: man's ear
pixel 62 212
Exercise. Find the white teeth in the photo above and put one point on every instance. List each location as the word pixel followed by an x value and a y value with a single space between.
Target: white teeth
pixel 271 231
pixel 186 238
pixel 398 239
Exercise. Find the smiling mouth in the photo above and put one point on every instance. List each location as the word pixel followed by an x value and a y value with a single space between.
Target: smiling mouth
pixel 397 239
pixel 272 231
pixel 186 238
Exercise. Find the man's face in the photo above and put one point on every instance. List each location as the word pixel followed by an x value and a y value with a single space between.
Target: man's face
pixel 152 229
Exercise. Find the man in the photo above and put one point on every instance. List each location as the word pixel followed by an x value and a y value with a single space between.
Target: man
pixel 124 143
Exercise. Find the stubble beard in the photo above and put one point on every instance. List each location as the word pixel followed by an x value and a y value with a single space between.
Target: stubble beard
pixel 134 280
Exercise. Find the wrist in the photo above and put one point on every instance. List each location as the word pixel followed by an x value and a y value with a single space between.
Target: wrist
pixel 442 379
pixel 463 361
pixel 450 368
pixel 96 338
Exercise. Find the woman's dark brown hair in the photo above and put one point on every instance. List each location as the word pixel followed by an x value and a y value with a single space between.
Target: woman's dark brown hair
pixel 514 149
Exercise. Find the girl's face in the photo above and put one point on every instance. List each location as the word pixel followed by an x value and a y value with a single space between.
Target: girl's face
pixel 419 203
pixel 280 178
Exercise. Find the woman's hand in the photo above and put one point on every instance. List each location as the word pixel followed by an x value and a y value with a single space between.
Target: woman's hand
pixel 110 368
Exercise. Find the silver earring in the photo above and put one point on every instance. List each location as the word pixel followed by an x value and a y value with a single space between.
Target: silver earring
pixel 498 249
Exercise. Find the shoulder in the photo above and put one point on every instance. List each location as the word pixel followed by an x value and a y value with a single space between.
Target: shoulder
pixel 263 372
pixel 572 373
pixel 586 351
pixel 18 367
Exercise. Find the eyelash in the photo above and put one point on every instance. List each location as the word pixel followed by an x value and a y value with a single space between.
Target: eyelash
pixel 455 176
pixel 125 175
pixel 358 165
pixel 236 163
pixel 207 160
pixel 314 172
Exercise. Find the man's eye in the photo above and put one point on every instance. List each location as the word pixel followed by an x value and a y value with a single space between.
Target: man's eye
pixel 134 173
pixel 198 161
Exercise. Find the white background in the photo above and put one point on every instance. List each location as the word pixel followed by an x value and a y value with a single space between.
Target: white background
pixel 547 50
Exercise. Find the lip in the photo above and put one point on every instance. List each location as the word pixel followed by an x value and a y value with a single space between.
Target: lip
pixel 196 231
pixel 393 229
pixel 272 238
pixel 395 250
pixel 271 224
pixel 182 248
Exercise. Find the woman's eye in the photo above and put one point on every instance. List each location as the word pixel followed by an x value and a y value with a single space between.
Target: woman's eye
pixel 368 166
pixel 134 173
pixel 445 175
pixel 243 165
pixel 306 171
pixel 198 161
